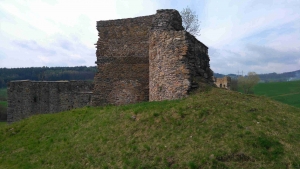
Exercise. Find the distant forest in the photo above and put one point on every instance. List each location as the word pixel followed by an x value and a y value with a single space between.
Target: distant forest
pixel 46 74
pixel 270 77
pixel 87 73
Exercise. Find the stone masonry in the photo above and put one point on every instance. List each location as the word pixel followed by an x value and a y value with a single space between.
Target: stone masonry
pixel 26 98
pixel 178 61
pixel 224 82
pixel 148 58
pixel 123 61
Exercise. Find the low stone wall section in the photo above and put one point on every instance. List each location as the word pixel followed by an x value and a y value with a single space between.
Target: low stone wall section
pixel 26 98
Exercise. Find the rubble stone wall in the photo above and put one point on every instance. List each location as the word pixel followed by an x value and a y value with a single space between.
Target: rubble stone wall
pixel 152 50
pixel 26 98
pixel 178 62
pixel 123 61
pixel 138 59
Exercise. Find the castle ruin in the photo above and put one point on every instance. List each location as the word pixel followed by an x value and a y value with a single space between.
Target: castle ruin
pixel 224 82
pixel 149 58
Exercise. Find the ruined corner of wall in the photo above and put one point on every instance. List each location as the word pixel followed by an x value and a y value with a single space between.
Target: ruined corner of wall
pixel 178 62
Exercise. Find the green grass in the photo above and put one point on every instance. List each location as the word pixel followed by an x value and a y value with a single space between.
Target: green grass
pixel 213 129
pixel 285 92
pixel 3 94
pixel 3 124
pixel 4 103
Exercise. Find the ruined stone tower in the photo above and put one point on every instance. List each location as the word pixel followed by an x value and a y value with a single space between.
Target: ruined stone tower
pixel 148 58
pixel 224 82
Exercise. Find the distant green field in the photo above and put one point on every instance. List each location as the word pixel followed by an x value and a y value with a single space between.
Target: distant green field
pixel 4 103
pixel 285 92
pixel 3 97
pixel 3 94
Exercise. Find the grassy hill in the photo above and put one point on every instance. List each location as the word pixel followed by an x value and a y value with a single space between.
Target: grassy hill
pixel 212 129
pixel 286 92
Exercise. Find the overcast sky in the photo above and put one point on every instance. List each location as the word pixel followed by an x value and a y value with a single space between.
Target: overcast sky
pixel 249 35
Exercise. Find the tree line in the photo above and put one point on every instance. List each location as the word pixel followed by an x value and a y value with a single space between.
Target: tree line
pixel 46 74
pixel 245 83
pixel 269 77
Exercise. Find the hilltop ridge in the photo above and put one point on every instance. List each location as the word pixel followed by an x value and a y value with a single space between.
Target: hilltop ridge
pixel 211 129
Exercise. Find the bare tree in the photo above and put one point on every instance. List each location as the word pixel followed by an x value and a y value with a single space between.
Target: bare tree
pixel 190 21
pixel 248 82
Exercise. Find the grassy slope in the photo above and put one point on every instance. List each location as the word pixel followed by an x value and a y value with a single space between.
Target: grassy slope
pixel 3 96
pixel 214 129
pixel 286 92
pixel 3 124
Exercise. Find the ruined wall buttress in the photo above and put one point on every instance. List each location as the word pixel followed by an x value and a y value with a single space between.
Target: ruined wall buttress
pixel 178 62
pixel 198 62
pixel 168 73
pixel 123 61
pixel 26 98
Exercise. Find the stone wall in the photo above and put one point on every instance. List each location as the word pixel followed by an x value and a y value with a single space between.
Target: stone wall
pixel 26 98
pixel 138 59
pixel 224 82
pixel 152 50
pixel 178 62
pixel 123 61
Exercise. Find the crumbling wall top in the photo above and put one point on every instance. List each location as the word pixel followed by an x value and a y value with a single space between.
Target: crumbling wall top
pixel 122 22
pixel 167 19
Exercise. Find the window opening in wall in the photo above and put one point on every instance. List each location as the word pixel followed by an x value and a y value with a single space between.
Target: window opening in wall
pixel 221 85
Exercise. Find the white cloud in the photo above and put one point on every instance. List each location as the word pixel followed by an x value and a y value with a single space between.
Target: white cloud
pixel 230 21
pixel 47 22
pixel 234 25
pixel 62 32
pixel 260 59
